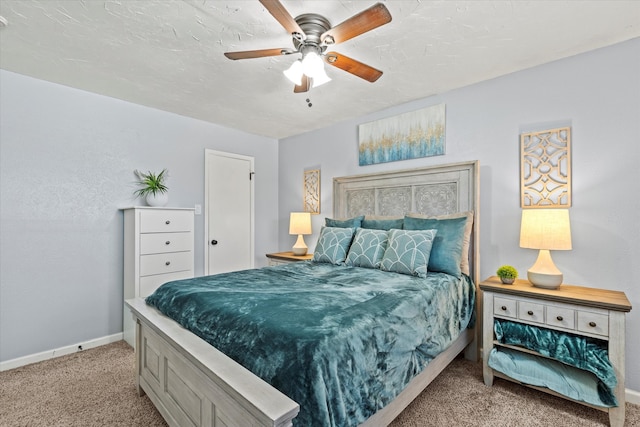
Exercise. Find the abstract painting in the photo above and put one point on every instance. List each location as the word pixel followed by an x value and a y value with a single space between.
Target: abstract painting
pixel 407 136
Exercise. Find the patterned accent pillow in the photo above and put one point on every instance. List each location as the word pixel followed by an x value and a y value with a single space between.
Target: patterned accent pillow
pixel 408 252
pixel 333 245
pixel 446 253
pixel 354 222
pixel 367 248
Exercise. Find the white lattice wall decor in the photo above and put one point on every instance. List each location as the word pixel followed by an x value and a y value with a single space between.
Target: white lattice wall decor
pixel 545 168
pixel 312 191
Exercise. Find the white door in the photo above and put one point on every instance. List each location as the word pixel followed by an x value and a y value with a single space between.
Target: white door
pixel 228 212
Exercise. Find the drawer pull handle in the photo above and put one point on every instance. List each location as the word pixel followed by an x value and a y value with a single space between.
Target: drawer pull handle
pixel 592 324
pixel 504 308
pixel 530 313
pixel 168 242
pixel 560 318
pixel 167 222
pixel 167 263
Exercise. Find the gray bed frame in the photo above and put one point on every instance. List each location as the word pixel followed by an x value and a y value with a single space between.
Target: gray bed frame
pixel 191 383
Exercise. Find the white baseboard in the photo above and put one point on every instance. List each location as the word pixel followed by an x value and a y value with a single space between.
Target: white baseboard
pixel 632 396
pixel 62 351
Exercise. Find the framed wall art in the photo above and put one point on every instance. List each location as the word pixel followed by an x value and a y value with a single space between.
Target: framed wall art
pixel 407 136
pixel 545 169
pixel 311 191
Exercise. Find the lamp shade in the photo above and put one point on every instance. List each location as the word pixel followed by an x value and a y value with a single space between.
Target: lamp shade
pixel 294 73
pixel 545 229
pixel 300 223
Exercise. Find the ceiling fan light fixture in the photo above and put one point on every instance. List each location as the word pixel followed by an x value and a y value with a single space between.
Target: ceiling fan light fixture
pixel 294 73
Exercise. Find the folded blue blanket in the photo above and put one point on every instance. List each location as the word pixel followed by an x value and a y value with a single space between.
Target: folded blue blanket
pixel 594 379
pixel 341 341
pixel 586 353
pixel 539 371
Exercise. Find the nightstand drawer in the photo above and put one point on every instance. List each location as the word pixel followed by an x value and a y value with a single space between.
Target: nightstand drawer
pixel 561 317
pixel 593 323
pixel 530 312
pixel 505 307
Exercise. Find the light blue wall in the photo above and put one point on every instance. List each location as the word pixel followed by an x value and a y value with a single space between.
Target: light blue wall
pixel 596 93
pixel 66 167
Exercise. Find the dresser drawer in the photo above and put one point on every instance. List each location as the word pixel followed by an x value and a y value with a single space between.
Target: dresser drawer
pixel 148 284
pixel 165 263
pixel 530 312
pixel 505 307
pixel 593 323
pixel 152 221
pixel 157 243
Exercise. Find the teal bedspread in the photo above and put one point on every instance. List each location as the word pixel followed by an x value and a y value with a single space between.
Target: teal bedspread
pixel 341 341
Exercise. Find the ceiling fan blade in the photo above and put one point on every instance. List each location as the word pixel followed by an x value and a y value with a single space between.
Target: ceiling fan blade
pixel 282 16
pixel 352 66
pixel 305 86
pixel 364 21
pixel 261 53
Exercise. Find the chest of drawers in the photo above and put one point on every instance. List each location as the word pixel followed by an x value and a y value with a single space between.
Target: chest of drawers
pixel 596 313
pixel 158 247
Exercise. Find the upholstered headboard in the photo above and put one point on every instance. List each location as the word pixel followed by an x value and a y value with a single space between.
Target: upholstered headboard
pixel 433 190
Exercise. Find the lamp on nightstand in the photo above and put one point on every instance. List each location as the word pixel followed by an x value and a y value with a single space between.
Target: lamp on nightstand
pixel 300 224
pixel 546 230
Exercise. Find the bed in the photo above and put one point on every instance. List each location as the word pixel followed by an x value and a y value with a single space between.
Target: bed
pixel 192 382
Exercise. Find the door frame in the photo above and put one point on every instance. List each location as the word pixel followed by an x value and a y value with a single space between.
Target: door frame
pixel 207 153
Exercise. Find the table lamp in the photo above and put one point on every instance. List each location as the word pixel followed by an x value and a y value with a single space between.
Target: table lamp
pixel 546 230
pixel 300 224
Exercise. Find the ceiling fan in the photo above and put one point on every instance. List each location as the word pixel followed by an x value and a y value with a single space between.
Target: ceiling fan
pixel 312 34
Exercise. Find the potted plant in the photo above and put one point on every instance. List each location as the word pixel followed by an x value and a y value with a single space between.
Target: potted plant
pixel 507 274
pixel 153 188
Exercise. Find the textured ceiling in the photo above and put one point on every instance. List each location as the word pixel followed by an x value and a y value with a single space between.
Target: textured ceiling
pixel 168 54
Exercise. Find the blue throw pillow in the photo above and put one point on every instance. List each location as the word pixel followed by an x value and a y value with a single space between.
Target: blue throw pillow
pixel 382 224
pixel 354 222
pixel 333 245
pixel 446 254
pixel 367 248
pixel 408 252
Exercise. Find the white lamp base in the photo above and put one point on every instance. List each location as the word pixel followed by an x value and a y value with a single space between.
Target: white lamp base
pixel 544 273
pixel 300 248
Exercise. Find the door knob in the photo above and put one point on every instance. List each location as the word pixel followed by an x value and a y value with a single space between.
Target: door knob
pixel 214 242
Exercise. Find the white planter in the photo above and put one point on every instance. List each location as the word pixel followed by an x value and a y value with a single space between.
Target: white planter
pixel 158 199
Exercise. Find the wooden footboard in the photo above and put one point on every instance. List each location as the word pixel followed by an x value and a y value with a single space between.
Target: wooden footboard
pixel 193 384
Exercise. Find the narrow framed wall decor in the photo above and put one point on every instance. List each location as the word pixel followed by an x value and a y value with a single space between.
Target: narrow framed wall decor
pixel 311 191
pixel 411 135
pixel 545 169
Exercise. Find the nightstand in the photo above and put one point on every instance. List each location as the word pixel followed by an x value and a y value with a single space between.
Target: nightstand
pixel 287 257
pixel 589 312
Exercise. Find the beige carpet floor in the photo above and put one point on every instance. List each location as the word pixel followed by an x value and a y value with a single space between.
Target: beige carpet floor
pixel 95 388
